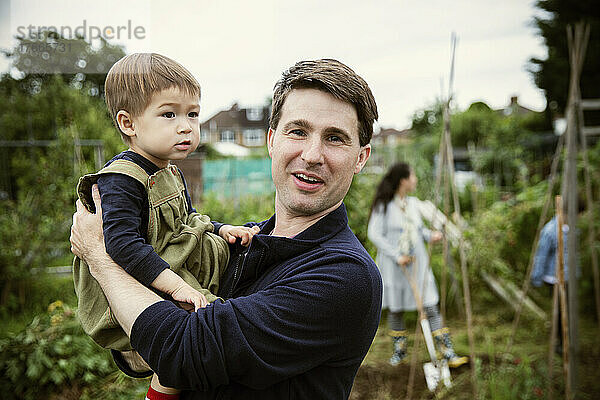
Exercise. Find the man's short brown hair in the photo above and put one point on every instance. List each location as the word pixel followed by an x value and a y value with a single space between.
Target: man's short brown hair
pixel 134 79
pixel 335 78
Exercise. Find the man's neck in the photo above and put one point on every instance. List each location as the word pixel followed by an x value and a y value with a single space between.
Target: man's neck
pixel 289 225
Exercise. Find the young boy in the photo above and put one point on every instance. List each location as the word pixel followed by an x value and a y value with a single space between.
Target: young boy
pixel 150 226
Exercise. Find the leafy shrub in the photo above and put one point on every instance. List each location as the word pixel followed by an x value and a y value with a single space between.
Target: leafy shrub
pixel 37 185
pixel 51 353
pixel 358 204
pixel 237 211
pixel 501 238
pixel 40 291
pixel 519 379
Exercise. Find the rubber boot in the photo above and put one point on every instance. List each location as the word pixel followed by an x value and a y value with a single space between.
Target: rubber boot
pixel 400 346
pixel 446 349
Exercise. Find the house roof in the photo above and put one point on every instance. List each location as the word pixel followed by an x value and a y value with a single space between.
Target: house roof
pixel 257 117
pixel 386 132
pixel 514 108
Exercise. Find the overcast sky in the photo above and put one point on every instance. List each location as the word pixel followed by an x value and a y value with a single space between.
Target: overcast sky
pixel 238 49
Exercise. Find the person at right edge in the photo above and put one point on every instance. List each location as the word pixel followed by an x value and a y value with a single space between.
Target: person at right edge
pixel 544 262
pixel 396 228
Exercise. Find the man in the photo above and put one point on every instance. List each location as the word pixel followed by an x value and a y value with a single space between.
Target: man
pixel 303 302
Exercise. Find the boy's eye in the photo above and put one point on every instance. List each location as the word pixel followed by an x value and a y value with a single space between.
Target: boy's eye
pixel 335 139
pixel 193 114
pixel 169 114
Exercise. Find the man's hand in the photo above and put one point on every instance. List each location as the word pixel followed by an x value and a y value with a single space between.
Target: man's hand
pixel 230 233
pixel 87 239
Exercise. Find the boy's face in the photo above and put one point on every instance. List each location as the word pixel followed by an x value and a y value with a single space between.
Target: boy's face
pixel 168 129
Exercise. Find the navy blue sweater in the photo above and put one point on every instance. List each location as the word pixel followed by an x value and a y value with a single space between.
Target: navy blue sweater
pixel 299 318
pixel 125 220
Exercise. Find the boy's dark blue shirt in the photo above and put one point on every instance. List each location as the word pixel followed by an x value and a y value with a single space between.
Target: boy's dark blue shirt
pixel 125 220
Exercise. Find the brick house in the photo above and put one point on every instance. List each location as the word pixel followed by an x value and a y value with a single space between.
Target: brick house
pixel 391 137
pixel 514 108
pixel 246 127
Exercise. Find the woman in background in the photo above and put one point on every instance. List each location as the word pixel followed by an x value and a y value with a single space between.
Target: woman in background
pixel 396 228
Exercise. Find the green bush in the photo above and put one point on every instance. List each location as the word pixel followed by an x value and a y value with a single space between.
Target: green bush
pixel 501 236
pixel 40 291
pixel 37 182
pixel 358 204
pixel 519 379
pixel 36 217
pixel 50 354
pixel 251 208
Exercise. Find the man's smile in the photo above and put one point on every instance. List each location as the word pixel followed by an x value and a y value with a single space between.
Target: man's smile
pixel 306 182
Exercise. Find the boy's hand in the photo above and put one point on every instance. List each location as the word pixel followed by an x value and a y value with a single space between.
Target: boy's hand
pixel 186 294
pixel 230 233
pixel 174 285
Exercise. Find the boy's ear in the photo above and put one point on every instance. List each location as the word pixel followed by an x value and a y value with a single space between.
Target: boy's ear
pixel 125 123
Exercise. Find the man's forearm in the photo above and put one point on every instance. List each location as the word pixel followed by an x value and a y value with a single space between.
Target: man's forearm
pixel 126 296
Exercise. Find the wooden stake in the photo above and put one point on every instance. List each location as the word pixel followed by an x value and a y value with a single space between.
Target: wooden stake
pixel 577 40
pixel 588 182
pixel 560 273
pixel 461 247
pixel 413 362
pixel 445 244
pixel 421 313
pixel 552 340
pixel 463 264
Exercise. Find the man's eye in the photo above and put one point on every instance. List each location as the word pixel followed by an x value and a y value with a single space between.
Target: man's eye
pixel 297 132
pixel 193 114
pixel 169 114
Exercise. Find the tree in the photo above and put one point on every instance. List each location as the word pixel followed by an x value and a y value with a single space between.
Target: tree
pixel 37 185
pixel 40 59
pixel 507 146
pixel 50 94
pixel 552 74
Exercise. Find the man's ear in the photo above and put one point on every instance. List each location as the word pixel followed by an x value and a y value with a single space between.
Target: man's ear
pixel 270 136
pixel 125 123
pixel 363 156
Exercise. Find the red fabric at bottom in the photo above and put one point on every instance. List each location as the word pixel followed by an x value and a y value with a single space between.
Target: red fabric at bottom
pixel 154 395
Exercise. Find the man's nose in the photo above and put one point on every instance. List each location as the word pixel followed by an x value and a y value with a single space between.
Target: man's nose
pixel 313 150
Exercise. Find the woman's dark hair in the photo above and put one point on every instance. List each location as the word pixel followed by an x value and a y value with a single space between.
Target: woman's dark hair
pixel 389 185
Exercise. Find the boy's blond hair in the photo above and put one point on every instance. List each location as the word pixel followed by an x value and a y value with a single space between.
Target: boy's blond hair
pixel 134 79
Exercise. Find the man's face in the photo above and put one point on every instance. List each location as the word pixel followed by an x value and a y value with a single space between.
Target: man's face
pixel 315 152
pixel 168 129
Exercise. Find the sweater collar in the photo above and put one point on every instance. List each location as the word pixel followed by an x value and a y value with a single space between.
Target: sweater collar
pixel 267 251
pixel 318 232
